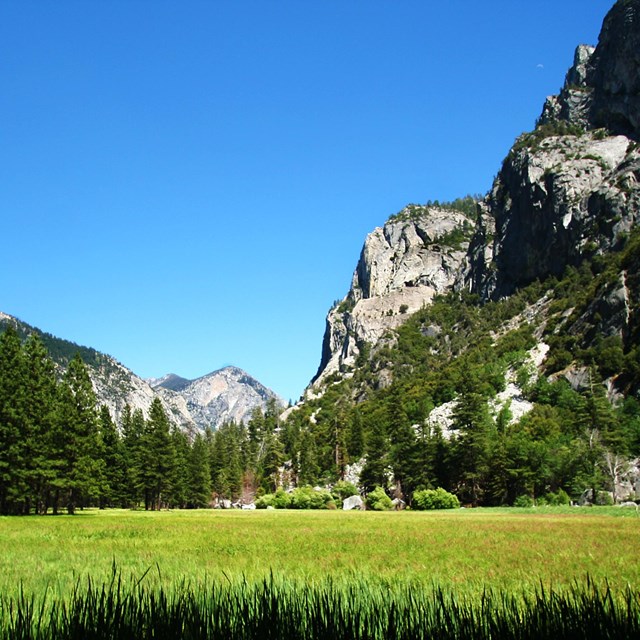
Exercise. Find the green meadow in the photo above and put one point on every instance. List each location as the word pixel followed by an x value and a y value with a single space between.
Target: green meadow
pixel 465 550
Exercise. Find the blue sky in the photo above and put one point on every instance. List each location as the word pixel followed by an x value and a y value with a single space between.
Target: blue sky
pixel 187 185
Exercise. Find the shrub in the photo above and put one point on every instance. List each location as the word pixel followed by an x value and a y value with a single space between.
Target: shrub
pixel 434 499
pixel 343 489
pixel 264 501
pixel 558 498
pixel 378 500
pixel 281 499
pixel 604 498
pixel 523 501
pixel 309 498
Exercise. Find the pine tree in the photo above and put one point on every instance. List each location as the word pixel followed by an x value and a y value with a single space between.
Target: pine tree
pixel 157 457
pixel 133 427
pixel 179 490
pixel 403 443
pixel 374 472
pixel 199 474
pixel 473 444
pixel 355 436
pixel 309 469
pixel 79 473
pixel 113 456
pixel 14 486
pixel 271 461
pixel 41 389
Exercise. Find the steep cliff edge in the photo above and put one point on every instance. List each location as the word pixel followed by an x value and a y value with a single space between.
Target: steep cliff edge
pixel 569 189
pixel 566 192
pixel 414 256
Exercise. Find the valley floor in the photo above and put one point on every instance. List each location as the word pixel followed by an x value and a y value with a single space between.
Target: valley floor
pixel 464 550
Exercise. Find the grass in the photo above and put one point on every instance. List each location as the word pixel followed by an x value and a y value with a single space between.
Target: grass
pixel 465 550
pixel 478 574
pixel 277 609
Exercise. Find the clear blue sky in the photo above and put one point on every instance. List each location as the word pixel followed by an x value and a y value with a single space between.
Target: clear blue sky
pixel 186 185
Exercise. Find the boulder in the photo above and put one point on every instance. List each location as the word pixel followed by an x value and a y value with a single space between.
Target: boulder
pixel 352 502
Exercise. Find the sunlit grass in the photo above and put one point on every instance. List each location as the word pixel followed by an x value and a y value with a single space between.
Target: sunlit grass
pixel 466 550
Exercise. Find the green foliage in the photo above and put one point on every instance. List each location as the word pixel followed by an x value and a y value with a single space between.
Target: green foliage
pixel 300 498
pixel 560 497
pixel 533 139
pixel 458 237
pixel 523 501
pixel 346 305
pixel 342 490
pixel 378 500
pixel 278 608
pixel 434 499
pixel 467 205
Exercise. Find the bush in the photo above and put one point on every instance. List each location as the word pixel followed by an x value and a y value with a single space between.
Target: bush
pixel 434 499
pixel 559 498
pixel 264 501
pixel 523 501
pixel 604 499
pixel 281 499
pixel 343 489
pixel 309 498
pixel 378 500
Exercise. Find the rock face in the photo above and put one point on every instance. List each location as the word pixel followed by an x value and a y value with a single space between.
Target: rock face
pixel 567 191
pixel 602 90
pixel 570 188
pixel 556 201
pixel 116 386
pixel 226 394
pixel 415 256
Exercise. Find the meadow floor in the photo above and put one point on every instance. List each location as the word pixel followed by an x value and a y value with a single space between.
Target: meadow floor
pixel 463 550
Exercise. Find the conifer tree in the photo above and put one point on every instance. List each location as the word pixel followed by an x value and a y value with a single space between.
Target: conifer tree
pixel 355 436
pixel 133 428
pixel 179 489
pixel 112 449
pixel 40 414
pixel 403 443
pixel 79 473
pixel 309 469
pixel 473 443
pixel 157 457
pixel 13 464
pixel 374 472
pixel 199 474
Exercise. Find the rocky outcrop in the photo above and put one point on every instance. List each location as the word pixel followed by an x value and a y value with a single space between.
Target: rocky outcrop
pixel 567 191
pixel 570 188
pixel 223 395
pixel 116 387
pixel 602 89
pixel 227 394
pixel 416 255
pixel 557 200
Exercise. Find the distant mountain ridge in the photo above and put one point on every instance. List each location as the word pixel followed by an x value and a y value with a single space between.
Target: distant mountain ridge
pixel 209 401
pixel 222 395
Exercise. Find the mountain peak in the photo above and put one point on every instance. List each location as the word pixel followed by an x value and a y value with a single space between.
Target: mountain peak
pixel 169 381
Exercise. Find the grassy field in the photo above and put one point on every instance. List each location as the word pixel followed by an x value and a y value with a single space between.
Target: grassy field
pixel 463 550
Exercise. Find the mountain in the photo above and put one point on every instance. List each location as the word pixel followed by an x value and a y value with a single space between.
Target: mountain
pixel 402 266
pixel 566 192
pixel 223 395
pixel 228 394
pixel 496 353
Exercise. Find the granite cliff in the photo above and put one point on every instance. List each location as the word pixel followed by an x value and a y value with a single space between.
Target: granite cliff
pixel 567 191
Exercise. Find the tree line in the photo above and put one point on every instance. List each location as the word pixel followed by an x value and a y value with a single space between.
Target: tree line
pixel 58 450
